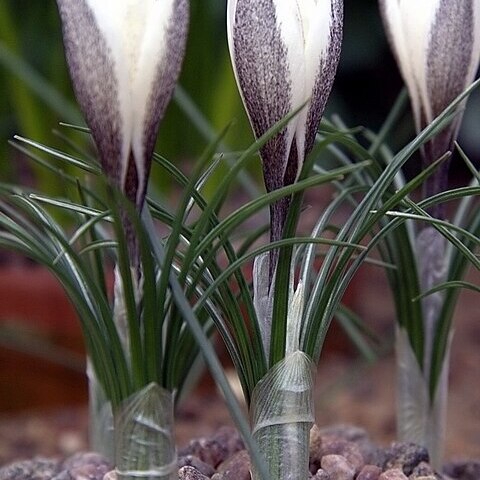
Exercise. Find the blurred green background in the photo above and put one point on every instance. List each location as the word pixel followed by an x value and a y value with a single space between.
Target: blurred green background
pixel 36 93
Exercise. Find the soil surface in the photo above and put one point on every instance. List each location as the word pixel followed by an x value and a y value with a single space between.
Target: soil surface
pixel 336 453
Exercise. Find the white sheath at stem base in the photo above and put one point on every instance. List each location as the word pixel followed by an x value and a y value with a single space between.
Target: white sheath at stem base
pixel 422 414
pixel 144 437
pixel 282 414
pixel 100 417
pixel 420 419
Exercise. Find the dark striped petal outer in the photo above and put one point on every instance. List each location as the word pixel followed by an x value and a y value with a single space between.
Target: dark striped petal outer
pixel 437 46
pixel 124 58
pixel 285 55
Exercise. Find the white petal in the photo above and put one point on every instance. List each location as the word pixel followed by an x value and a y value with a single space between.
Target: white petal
pixel 289 21
pixel 125 57
pixel 110 15
pixel 135 31
pixel 151 52
pixel 280 50
pixel 409 23
pixel 317 21
pixel 433 55
pixel 231 9
pixel 317 24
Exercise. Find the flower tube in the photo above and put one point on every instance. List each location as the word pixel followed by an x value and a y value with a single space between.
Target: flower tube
pixel 284 54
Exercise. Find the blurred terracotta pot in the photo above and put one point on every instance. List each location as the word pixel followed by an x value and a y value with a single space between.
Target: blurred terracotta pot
pixel 41 349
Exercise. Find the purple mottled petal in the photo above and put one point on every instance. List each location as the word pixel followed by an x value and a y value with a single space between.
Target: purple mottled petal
pixel 448 64
pixel 279 209
pixel 94 82
pixel 450 52
pixel 168 71
pixel 449 61
pixel 261 65
pixel 325 76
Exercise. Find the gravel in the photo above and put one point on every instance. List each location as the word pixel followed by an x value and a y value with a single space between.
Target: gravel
pixel 336 453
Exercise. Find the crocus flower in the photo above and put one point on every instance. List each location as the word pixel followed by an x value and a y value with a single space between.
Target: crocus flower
pixel 284 54
pixel 124 58
pixel 437 46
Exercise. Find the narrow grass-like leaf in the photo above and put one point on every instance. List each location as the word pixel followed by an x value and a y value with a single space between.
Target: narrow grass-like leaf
pixel 211 359
pixel 53 152
pixel 449 285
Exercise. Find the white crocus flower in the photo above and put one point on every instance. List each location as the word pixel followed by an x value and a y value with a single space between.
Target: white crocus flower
pixel 124 58
pixel 437 47
pixel 285 54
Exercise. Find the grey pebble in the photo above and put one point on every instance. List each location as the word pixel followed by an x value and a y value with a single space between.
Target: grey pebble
pixel 84 466
pixel 463 470
pixel 346 449
pixel 192 461
pixel 393 474
pixel 36 469
pixel 112 475
pixel 321 475
pixel 371 453
pixel 405 456
pixel 216 449
pixel 338 467
pixel 190 473
pixel 369 472
pixel 423 469
pixel 236 467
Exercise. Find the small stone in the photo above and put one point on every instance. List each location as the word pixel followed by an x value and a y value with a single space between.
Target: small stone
pixel 84 466
pixel 346 449
pixel 90 458
pixel 70 442
pixel 405 456
pixel 321 475
pixel 209 451
pixel 338 467
pixel 236 467
pixel 369 472
pixel 36 469
pixel 463 470
pixel 371 453
pixel 393 474
pixel 315 449
pixel 423 469
pixel 315 438
pixel 230 437
pixel 190 473
pixel 217 449
pixel 192 461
